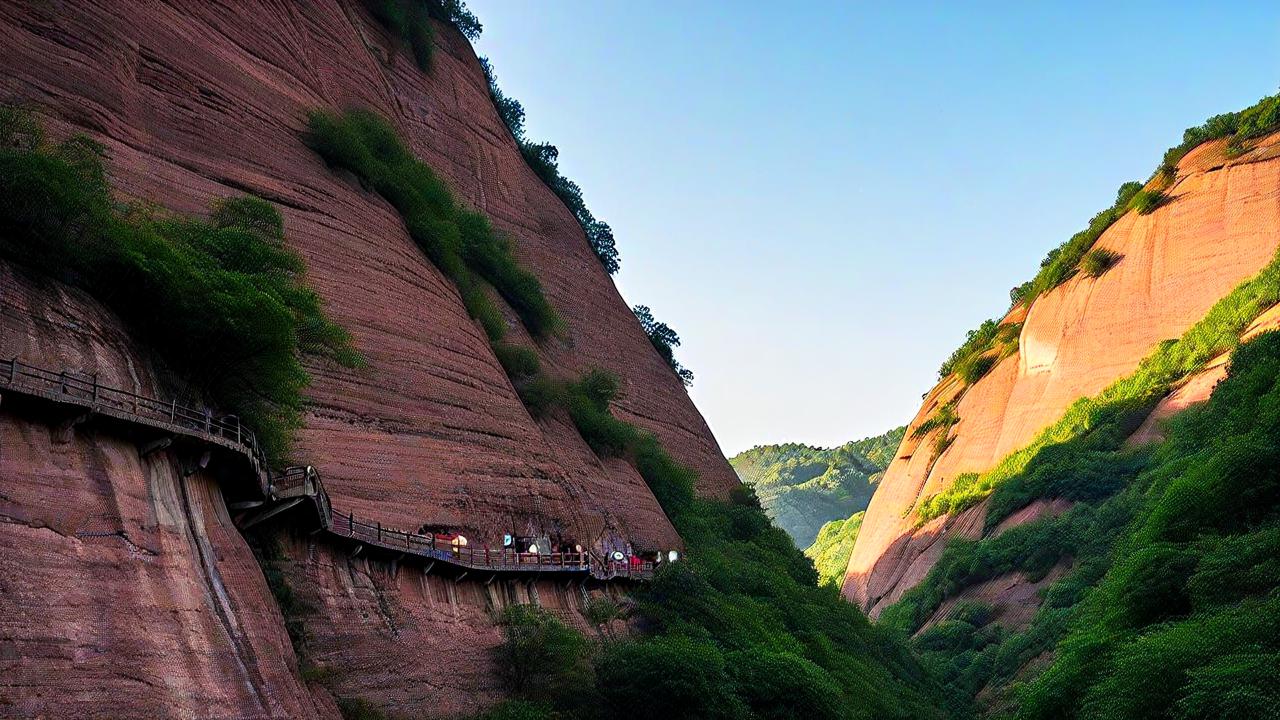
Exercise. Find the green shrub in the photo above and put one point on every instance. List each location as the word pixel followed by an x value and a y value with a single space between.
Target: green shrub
pixel 942 419
pixel 519 362
pixel 410 21
pixel 540 394
pixel 783 686
pixel 460 242
pixel 543 160
pixel 1099 260
pixel 976 342
pixel 666 679
pixel 664 340
pixel 973 368
pixel 587 401
pixel 1146 201
pixel 237 313
pixel 541 658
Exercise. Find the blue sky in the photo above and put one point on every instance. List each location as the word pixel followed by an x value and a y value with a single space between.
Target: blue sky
pixel 822 198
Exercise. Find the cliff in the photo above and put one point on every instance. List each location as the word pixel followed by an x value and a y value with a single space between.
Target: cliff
pixel 1219 227
pixel 194 101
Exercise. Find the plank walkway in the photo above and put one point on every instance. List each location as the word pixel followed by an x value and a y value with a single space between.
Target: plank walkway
pixel 277 492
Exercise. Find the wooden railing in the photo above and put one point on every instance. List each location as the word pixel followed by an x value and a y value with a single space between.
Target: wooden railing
pixel 300 483
pixel 76 389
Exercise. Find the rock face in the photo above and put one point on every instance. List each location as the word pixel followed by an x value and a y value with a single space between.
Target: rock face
pixel 1221 226
pixel 195 101
pixel 126 590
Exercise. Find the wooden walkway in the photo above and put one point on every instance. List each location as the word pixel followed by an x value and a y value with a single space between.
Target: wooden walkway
pixel 277 492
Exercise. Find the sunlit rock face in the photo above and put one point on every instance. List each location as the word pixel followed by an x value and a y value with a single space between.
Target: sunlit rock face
pixel 1220 228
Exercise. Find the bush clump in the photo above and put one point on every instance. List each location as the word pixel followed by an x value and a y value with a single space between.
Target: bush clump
pixel 664 340
pixel 1146 201
pixel 459 241
pixel 237 314
pixel 410 20
pixel 1098 261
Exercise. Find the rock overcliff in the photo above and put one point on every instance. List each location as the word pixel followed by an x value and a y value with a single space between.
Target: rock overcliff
pixel 1220 226
pixel 194 101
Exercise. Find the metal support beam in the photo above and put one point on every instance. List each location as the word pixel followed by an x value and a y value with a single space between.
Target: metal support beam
pixel 154 445
pixel 357 550
pixel 245 505
pixel 270 513
pixel 459 578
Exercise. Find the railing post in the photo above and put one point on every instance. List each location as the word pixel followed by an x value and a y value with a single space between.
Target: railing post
pixel 379 531
pixel 63 384
pixel 13 370
pixel 351 523
pixel 173 411
pixel 95 388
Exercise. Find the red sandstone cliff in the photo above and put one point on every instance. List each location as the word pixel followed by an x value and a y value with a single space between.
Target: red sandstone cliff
pixel 196 101
pixel 1220 228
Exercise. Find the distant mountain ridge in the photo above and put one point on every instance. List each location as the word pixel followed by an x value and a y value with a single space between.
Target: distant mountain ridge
pixel 803 487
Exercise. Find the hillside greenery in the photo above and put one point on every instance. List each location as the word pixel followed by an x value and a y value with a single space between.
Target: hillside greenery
pixel 220 299
pixel 410 21
pixel 738 629
pixel 543 158
pixel 802 487
pixel 664 340
pixel 832 548
pixel 1168 609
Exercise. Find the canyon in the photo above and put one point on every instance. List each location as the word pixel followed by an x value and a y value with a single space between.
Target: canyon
pixel 194 101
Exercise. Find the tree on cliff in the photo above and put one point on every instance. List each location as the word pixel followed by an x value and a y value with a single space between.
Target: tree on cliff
pixel 664 340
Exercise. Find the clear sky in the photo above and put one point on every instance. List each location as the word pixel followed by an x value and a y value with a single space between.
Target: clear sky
pixel 822 198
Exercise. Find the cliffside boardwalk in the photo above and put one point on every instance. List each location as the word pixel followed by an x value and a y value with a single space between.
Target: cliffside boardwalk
pixel 273 493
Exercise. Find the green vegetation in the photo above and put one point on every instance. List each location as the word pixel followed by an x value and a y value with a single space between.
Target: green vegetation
pixel 976 342
pixel 461 242
pixel 1146 201
pixel 1062 262
pixel 1262 118
pixel 540 657
pixel 802 487
pixel 737 629
pixel 1099 260
pixel 237 314
pixel 410 20
pixel 830 551
pixel 664 340
pixel 1107 418
pixel 942 420
pixel 984 347
pixel 543 159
